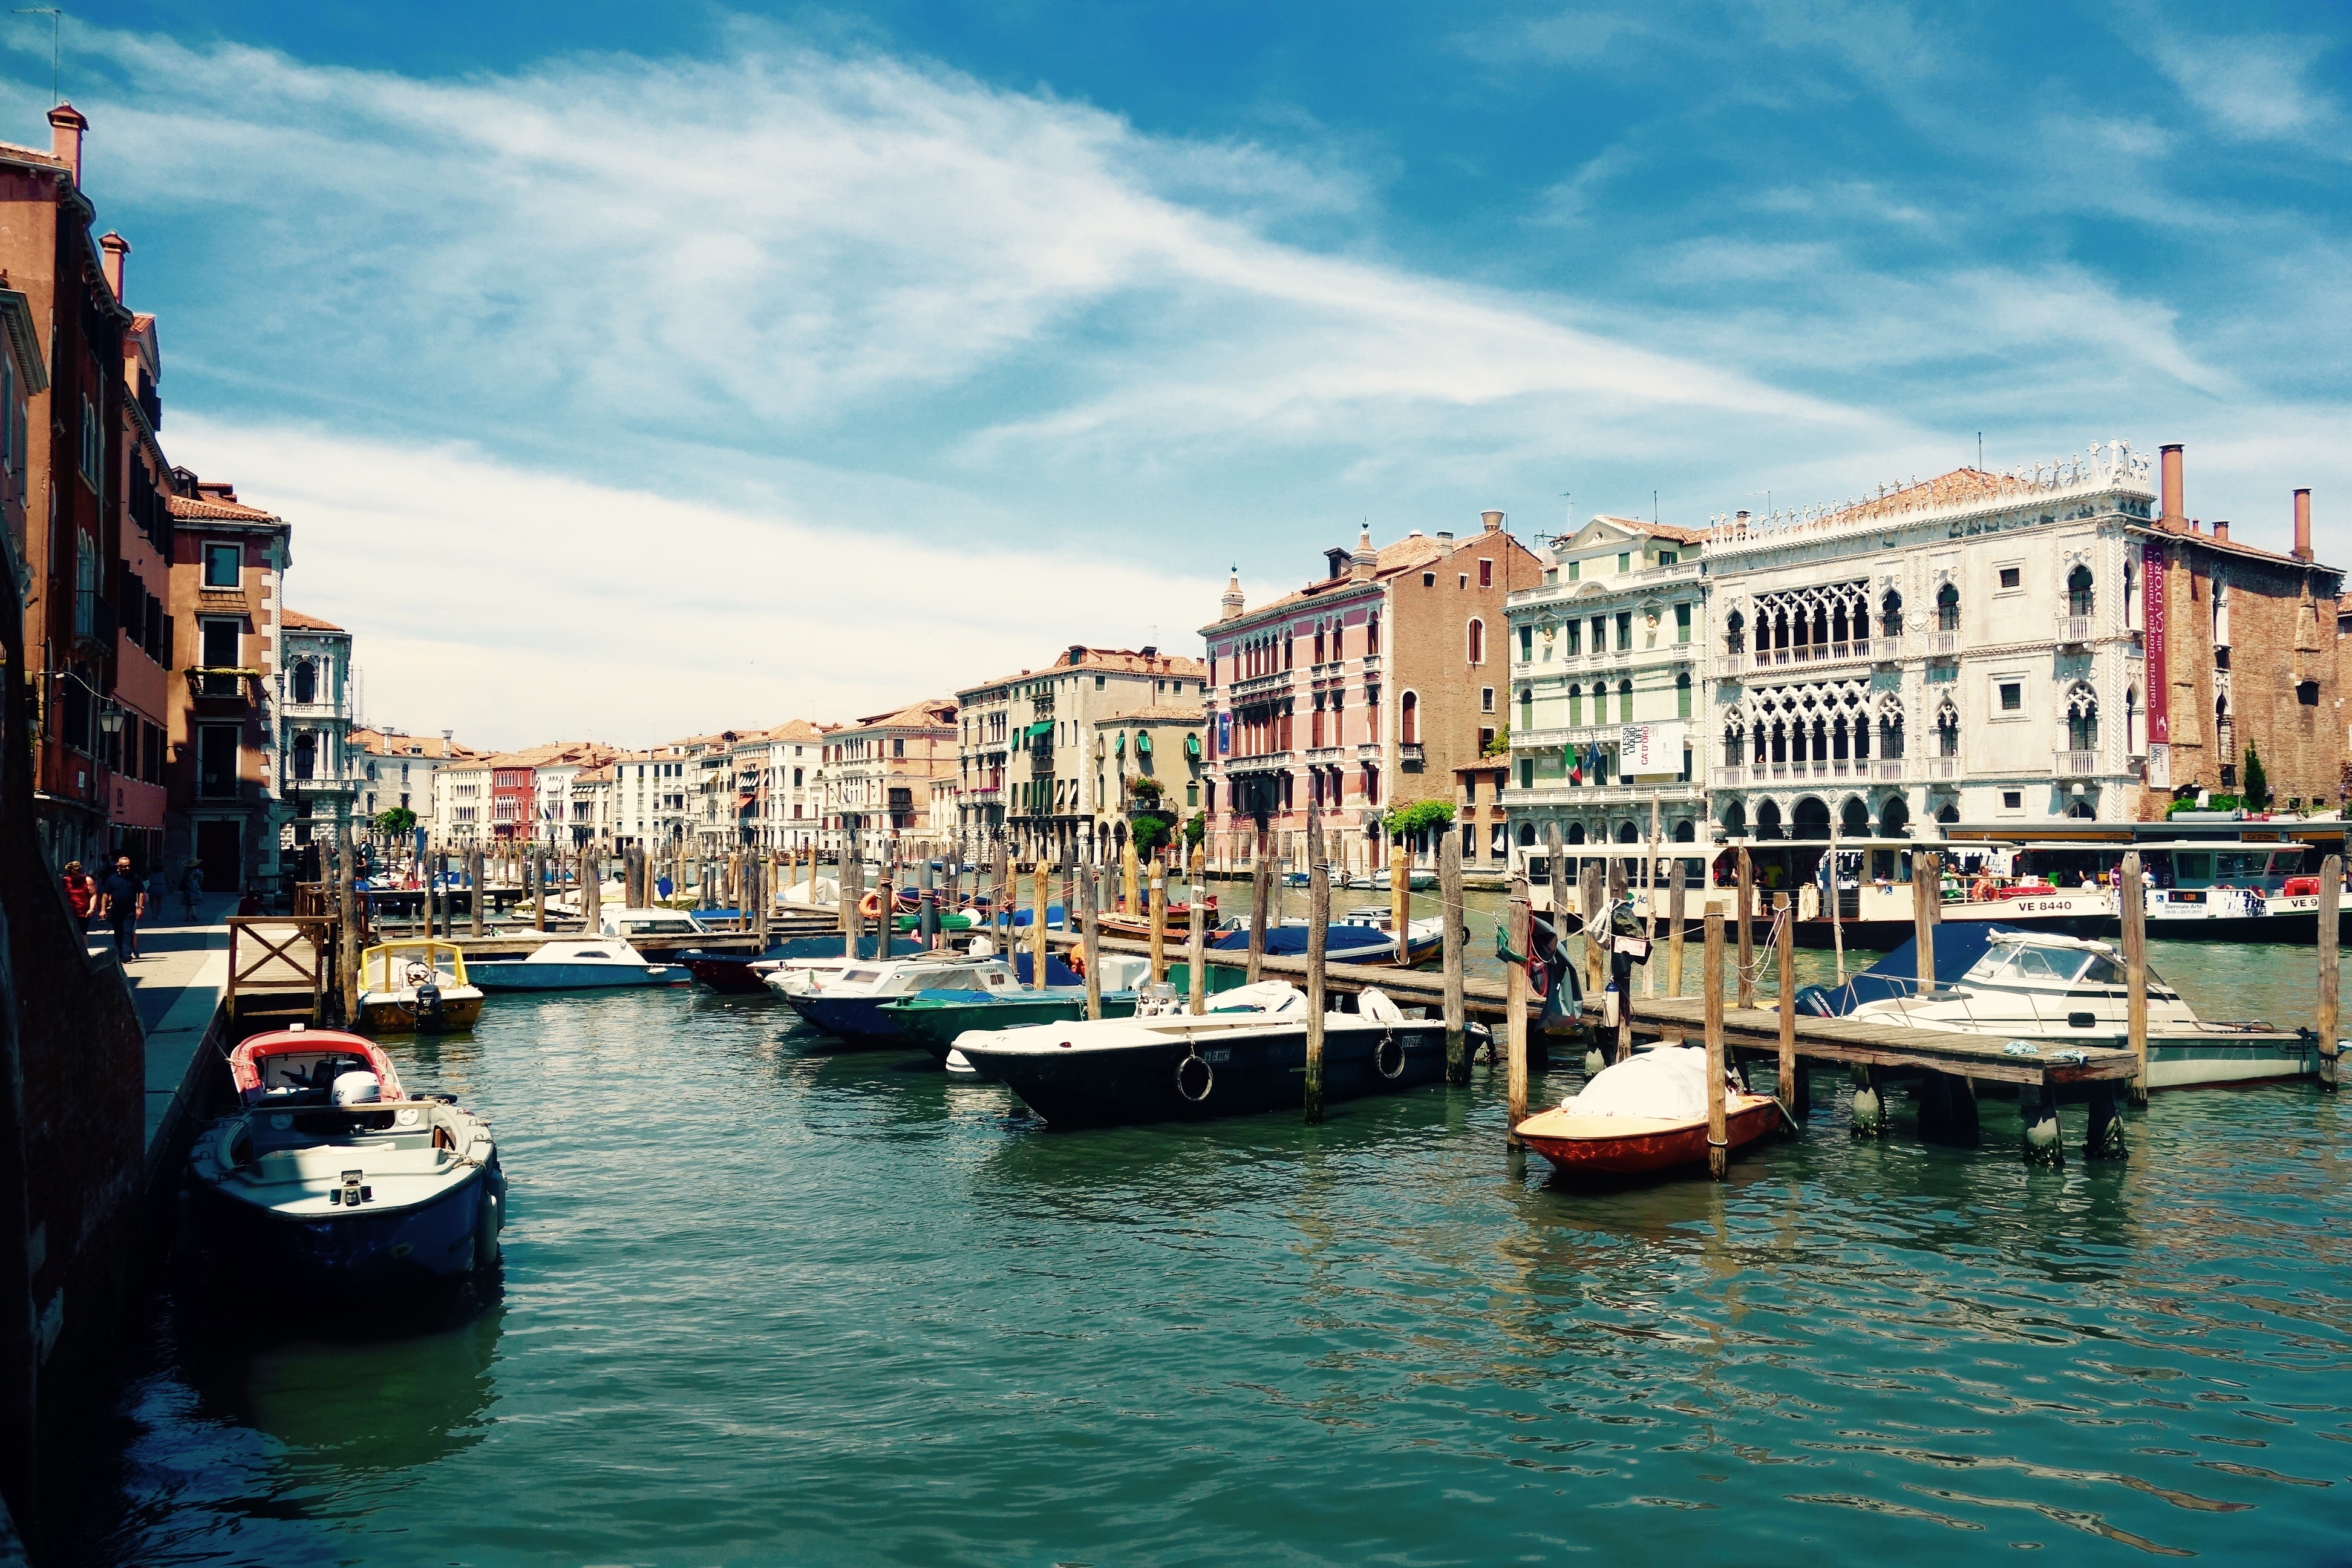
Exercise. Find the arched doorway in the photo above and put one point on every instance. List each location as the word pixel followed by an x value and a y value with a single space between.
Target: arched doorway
pixel 1948 812
pixel 2081 809
pixel 1895 818
pixel 1812 818
pixel 1626 834
pixel 1685 831
pixel 1735 820
pixel 1576 832
pixel 1768 819
pixel 1527 838
pixel 1854 819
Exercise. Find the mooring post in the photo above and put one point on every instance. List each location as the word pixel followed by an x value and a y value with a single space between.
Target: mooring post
pixel 1196 950
pixel 1926 906
pixel 1674 929
pixel 886 894
pixel 1130 896
pixel 928 892
pixel 1401 902
pixel 2331 903
pixel 1449 909
pixel 851 889
pixel 1837 911
pixel 2132 916
pixel 1746 942
pixel 1515 1013
pixel 1318 925
pixel 474 879
pixel 1261 881
pixel 1039 890
pixel 539 890
pixel 1588 914
pixel 1156 940
pixel 1090 940
pixel 1718 1152
pixel 1784 932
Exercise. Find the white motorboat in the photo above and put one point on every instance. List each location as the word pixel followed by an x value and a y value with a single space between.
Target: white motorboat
pixel 578 963
pixel 2044 992
pixel 650 922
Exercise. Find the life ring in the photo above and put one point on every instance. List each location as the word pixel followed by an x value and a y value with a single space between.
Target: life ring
pixel 1205 1079
pixel 870 905
pixel 1539 977
pixel 1389 1050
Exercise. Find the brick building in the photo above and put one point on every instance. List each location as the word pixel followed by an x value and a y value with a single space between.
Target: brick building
pixel 227 582
pixel 2246 656
pixel 1361 692
pixel 879 770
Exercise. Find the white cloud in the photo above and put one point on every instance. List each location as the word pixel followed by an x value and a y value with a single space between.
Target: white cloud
pixel 520 607
pixel 2252 84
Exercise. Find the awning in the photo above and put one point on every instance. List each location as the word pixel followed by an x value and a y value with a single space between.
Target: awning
pixel 1142 744
pixel 1120 746
pixel 1043 727
pixel 1192 745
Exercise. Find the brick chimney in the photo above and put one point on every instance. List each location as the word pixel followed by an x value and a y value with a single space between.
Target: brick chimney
pixel 2303 525
pixel 2221 532
pixel 2174 515
pixel 66 128
pixel 116 248
pixel 1494 521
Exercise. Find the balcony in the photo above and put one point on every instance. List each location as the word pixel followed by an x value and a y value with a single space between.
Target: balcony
pixel 1410 752
pixel 1515 799
pixel 217 690
pixel 1944 645
pixel 1856 650
pixel 1944 769
pixel 1259 686
pixel 1888 770
pixel 2075 764
pixel 2073 631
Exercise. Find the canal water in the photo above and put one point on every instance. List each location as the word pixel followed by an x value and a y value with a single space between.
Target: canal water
pixel 765 1302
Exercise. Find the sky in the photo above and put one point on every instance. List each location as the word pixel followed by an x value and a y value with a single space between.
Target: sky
pixel 628 372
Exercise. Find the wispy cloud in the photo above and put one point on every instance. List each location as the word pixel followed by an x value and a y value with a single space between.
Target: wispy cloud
pixel 2255 85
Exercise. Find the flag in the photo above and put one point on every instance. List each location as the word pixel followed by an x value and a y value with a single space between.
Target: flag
pixel 1575 767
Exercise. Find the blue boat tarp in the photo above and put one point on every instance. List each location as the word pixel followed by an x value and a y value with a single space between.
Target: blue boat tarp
pixel 1958 946
pixel 1290 941
pixel 1057 917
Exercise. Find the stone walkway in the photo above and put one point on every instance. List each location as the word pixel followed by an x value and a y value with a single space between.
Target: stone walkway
pixel 177 982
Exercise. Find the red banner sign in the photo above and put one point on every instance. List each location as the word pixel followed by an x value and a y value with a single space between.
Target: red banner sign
pixel 2159 682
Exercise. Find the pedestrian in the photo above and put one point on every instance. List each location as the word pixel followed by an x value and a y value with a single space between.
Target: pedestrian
pixel 121 901
pixel 81 894
pixel 191 888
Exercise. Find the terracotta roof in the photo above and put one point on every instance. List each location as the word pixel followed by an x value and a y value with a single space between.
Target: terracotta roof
pixel 1961 487
pixel 795 730
pixel 14 153
pixel 1665 531
pixel 1154 716
pixel 596 774
pixel 923 715
pixel 385 743
pixel 207 507
pixel 1118 660
pixel 297 621
pixel 1411 554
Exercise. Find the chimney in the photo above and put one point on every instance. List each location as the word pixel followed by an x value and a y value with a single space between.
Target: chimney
pixel 1149 650
pixel 1335 560
pixel 1494 521
pixel 66 128
pixel 116 249
pixel 2303 525
pixel 2173 516
pixel 1232 603
pixel 1078 653
pixel 1445 535
pixel 1366 561
pixel 2221 532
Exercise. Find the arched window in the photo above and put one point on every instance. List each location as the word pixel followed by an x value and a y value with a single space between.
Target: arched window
pixel 306 755
pixel 1575 705
pixel 1948 730
pixel 1947 608
pixel 1890 731
pixel 1890 614
pixel 1576 832
pixel 1527 834
pixel 1735 820
pixel 2079 597
pixel 1948 812
pixel 1625 702
pixel 1683 695
pixel 2131 743
pixel 1409 718
pixel 1735 632
pixel 1478 641
pixel 1527 707
pixel 306 682
pixel 2082 717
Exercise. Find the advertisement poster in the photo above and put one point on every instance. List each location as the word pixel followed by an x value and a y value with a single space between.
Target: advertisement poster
pixel 1650 748
pixel 2159 681
pixel 1225 734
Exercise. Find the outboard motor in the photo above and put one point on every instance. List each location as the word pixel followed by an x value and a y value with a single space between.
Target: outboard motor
pixel 428 1007
pixel 357 1087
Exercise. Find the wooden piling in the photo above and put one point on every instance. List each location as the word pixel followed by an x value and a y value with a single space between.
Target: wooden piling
pixel 347 932
pixel 2132 916
pixel 1587 912
pixel 849 891
pixel 1837 911
pixel 1090 938
pixel 1319 922
pixel 539 890
pixel 1260 885
pixel 1786 931
pixel 1400 901
pixel 475 881
pixel 1674 929
pixel 1449 909
pixel 592 891
pixel 1617 894
pixel 2331 900
pixel 1746 938
pixel 1718 1152
pixel 1196 950
pixel 1515 1013
pixel 1130 896
pixel 1556 878
pixel 1926 912
pixel 1040 889
pixel 1157 914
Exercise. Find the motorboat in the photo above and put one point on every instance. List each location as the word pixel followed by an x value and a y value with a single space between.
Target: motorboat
pixel 578 963
pixel 2042 993
pixel 1248 1055
pixel 416 987
pixel 738 974
pixel 847 1004
pixel 1415 881
pixel 1354 939
pixel 330 1175
pixel 626 924
pixel 1645 1115
pixel 934 1019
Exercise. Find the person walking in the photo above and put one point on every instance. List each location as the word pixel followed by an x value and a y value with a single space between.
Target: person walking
pixel 81 895
pixel 121 903
pixel 191 889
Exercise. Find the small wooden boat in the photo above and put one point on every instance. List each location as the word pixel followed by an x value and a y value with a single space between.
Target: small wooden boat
pixel 330 1175
pixel 416 987
pixel 1138 927
pixel 1641 1145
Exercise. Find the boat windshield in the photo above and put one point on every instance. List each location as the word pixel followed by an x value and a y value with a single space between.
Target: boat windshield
pixel 2020 964
pixel 861 976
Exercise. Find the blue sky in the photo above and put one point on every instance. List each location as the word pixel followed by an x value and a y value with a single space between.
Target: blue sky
pixel 631 370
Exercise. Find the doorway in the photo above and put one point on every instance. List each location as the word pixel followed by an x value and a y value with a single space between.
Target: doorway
pixel 220 849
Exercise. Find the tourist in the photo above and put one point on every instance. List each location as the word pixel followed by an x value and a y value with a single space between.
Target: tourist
pixel 81 893
pixel 191 889
pixel 121 901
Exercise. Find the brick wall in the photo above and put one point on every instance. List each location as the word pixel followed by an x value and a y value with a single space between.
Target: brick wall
pixel 1426 644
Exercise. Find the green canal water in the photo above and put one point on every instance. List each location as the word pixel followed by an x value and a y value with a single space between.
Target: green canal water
pixel 764 1303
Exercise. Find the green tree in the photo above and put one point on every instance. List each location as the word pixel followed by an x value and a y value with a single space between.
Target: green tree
pixel 1501 745
pixel 1196 827
pixel 399 820
pixel 1421 816
pixel 1145 790
pixel 2256 791
pixel 1148 832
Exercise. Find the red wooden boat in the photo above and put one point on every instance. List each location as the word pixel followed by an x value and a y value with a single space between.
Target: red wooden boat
pixel 1138 927
pixel 1639 1145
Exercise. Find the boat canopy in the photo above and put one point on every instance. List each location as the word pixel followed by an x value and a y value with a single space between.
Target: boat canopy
pixel 285 1060
pixel 1958 947
pixel 1290 941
